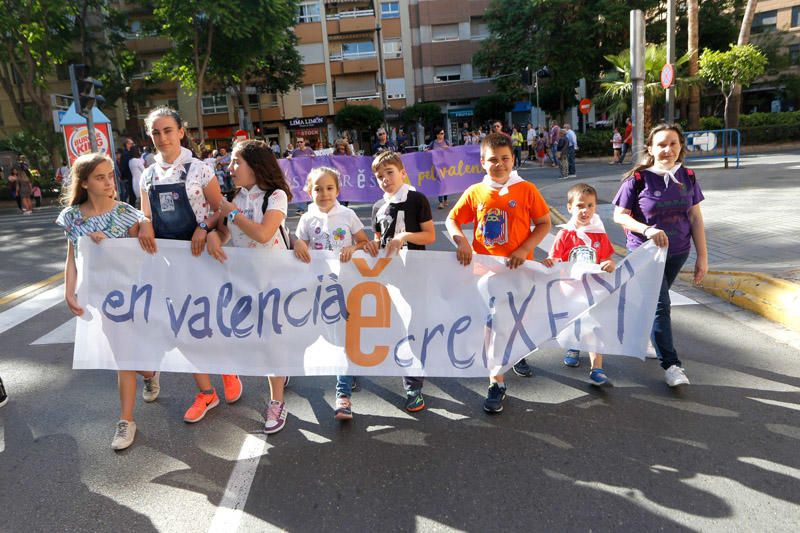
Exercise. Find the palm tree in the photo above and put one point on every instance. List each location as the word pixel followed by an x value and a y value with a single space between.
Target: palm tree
pixel 692 15
pixel 617 82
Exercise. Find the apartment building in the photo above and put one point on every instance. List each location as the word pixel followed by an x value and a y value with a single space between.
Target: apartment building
pixel 775 19
pixel 444 41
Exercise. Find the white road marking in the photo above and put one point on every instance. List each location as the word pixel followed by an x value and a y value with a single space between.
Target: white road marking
pixel 776 403
pixel 447 414
pixel 770 466
pixel 30 308
pixel 2 438
pixel 229 513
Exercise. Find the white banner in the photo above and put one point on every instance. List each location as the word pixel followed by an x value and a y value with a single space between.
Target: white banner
pixel 420 313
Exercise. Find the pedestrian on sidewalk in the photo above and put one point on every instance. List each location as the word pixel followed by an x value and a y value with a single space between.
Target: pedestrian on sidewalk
pixel 24 190
pixel 90 209
pixel 572 147
pixel 561 153
pixel 627 140
pixel 616 145
pixel 553 136
pixel 36 192
pixel 439 143
pixel 661 197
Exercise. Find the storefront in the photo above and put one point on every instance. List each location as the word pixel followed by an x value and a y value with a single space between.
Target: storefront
pixel 456 118
pixel 313 129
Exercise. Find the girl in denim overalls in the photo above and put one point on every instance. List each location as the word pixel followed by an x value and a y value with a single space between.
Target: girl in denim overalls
pixel 178 194
pixel 254 218
pixel 92 210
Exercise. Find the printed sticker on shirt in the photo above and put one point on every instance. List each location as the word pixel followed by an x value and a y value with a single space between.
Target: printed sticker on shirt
pixel 339 234
pixel 512 203
pixel 167 201
pixel 583 254
pixel 495 227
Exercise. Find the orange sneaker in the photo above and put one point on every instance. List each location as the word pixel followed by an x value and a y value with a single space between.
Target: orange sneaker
pixel 233 387
pixel 203 403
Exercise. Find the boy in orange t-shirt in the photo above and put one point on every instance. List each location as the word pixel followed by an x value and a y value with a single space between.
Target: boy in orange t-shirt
pixel 502 208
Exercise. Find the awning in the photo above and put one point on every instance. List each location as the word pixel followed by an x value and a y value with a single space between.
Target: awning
pixel 330 2
pixel 521 107
pixel 351 36
pixel 461 113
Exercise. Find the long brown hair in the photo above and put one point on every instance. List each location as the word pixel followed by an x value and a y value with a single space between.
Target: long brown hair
pixel 261 159
pixel 82 168
pixel 647 159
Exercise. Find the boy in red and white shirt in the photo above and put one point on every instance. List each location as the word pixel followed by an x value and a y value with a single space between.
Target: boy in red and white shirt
pixel 583 239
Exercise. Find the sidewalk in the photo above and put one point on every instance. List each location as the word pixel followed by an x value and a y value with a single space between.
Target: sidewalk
pixel 751 227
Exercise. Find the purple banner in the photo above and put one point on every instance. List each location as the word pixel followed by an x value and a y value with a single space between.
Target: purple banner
pixel 432 173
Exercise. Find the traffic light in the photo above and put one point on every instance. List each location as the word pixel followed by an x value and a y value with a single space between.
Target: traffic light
pixel 84 89
pixel 526 77
pixel 543 72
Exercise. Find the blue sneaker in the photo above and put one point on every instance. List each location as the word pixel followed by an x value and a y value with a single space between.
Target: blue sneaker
pixel 494 398
pixel 573 358
pixel 414 401
pixel 523 369
pixel 598 377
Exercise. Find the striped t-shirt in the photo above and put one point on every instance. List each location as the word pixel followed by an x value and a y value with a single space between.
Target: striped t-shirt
pixel 115 223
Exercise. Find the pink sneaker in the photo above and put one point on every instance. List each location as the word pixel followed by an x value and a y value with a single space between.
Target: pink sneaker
pixel 275 416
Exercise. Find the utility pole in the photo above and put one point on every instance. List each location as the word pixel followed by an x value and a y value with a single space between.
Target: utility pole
pixel 637 80
pixel 381 70
pixel 670 112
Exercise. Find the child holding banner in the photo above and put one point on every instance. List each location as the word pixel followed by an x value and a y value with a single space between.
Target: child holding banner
pixel 659 200
pixel 401 218
pixel 91 209
pixel 583 239
pixel 328 225
pixel 178 193
pixel 502 208
pixel 254 218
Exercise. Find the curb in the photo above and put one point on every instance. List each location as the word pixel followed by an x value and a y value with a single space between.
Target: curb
pixel 31 288
pixel 773 298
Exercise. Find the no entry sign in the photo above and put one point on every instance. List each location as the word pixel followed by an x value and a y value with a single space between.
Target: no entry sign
pixel 585 106
pixel 667 76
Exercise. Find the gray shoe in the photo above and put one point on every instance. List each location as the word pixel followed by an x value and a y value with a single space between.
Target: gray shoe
pixel 151 388
pixel 124 435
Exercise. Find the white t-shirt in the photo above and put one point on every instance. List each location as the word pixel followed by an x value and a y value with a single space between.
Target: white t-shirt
pixel 249 203
pixel 198 177
pixel 136 164
pixel 211 161
pixel 328 231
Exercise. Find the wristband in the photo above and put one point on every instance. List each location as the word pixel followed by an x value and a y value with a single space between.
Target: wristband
pixel 232 216
pixel 648 229
pixel 203 226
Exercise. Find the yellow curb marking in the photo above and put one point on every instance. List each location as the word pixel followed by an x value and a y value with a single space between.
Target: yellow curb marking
pixel 31 288
pixel 773 298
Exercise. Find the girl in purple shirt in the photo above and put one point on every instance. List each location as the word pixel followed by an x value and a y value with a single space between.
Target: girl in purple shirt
pixel 660 200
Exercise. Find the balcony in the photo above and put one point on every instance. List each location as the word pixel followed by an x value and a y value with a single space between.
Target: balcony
pixel 351 21
pixel 353 65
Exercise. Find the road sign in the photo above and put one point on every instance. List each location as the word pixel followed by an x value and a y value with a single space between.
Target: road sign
pixel 667 76
pixel 240 135
pixel 705 142
pixel 585 106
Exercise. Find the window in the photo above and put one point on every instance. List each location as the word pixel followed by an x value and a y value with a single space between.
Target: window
pixel 315 94
pixel 271 100
pixel 358 49
pixel 308 12
pixel 359 85
pixel 477 73
pixel 446 73
pixel 478 28
pixel 392 48
pixel 254 101
pixel 445 32
pixel 795 16
pixel 395 88
pixel 215 103
pixel 794 54
pixel 310 53
pixel 390 10
pixel 765 22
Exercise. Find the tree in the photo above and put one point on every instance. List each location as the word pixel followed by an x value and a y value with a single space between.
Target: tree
pixel 744 38
pixel 33 41
pixel 617 85
pixel 426 114
pixel 493 107
pixel 359 118
pixel 740 65
pixel 693 47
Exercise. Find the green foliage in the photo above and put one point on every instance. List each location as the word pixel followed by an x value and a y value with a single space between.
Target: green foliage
pixel 789 118
pixel 595 143
pixel 617 85
pixel 493 107
pixel 718 23
pixel 361 118
pixel 740 65
pixel 711 123
pixel 428 114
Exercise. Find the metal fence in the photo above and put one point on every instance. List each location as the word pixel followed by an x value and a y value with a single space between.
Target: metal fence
pixel 714 144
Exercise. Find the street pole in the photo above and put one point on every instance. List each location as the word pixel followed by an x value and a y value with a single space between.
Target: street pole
pixel 670 112
pixel 382 73
pixel 90 131
pixel 637 80
pixel 538 111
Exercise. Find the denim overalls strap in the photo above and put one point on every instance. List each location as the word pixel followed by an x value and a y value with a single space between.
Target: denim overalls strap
pixel 173 217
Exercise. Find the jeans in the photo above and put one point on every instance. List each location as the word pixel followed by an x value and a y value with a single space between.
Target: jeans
pixel 344 386
pixel 662 325
pixel 553 150
pixel 625 148
pixel 517 156
pixel 412 383
pixel 571 160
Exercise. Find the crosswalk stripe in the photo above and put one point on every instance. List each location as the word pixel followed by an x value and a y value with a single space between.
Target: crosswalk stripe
pixel 30 308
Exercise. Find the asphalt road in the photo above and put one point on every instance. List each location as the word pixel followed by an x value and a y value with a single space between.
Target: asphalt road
pixel 718 455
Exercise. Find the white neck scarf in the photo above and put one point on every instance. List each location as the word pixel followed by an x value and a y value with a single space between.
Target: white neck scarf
pixel 313 209
pixel 595 225
pixel 513 179
pixel 669 175
pixel 164 170
pixel 400 194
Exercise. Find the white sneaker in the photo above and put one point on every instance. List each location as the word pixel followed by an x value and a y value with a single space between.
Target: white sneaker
pixel 675 376
pixel 275 417
pixel 151 388
pixel 124 435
